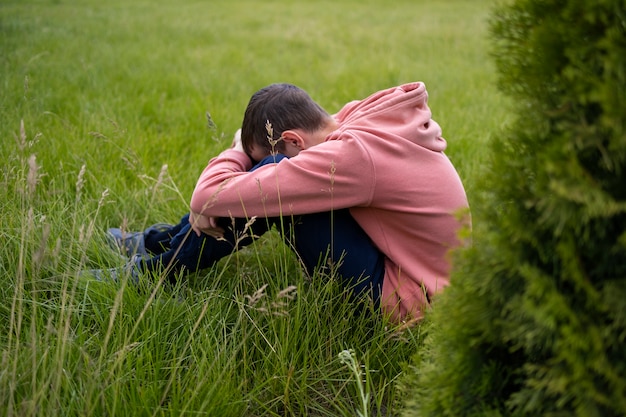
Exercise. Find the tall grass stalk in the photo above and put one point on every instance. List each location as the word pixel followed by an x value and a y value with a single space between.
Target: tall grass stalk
pixel 348 358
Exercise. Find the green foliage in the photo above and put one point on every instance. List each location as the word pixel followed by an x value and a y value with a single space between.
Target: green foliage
pixel 535 320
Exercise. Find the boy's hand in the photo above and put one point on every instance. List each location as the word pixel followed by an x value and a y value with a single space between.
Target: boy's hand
pixel 207 225
pixel 237 145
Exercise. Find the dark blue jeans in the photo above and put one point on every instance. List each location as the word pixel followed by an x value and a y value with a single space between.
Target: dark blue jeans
pixel 332 241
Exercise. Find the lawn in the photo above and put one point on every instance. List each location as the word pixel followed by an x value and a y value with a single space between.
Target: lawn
pixel 103 118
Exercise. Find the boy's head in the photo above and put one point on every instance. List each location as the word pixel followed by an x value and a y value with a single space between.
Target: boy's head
pixel 285 107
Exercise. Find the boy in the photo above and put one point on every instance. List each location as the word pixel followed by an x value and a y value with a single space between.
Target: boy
pixel 374 175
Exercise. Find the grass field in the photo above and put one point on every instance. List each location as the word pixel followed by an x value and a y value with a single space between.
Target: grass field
pixel 103 123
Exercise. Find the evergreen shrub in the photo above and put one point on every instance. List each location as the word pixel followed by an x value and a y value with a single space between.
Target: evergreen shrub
pixel 534 322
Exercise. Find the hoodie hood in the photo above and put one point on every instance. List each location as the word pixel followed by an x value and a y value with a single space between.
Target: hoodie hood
pixel 399 111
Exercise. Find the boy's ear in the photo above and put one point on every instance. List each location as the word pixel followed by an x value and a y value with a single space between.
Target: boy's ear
pixel 293 138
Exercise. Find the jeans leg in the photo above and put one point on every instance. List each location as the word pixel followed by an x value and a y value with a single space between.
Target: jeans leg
pixel 158 241
pixel 193 253
pixel 337 239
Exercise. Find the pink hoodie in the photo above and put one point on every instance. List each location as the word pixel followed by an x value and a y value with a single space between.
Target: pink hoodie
pixel 386 163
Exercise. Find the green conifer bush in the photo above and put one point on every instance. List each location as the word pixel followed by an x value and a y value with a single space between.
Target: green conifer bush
pixel 534 322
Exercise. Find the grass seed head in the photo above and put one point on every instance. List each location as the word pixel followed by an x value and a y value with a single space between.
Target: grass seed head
pixel 32 178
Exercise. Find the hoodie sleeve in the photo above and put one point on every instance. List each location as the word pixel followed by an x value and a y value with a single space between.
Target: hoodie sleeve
pixel 332 175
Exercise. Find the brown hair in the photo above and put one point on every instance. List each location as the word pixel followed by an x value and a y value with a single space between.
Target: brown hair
pixel 284 107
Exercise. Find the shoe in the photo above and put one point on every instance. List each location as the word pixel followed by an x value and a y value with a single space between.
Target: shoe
pixel 132 269
pixel 132 243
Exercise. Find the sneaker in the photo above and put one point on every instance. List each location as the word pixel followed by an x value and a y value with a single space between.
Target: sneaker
pixel 132 269
pixel 132 243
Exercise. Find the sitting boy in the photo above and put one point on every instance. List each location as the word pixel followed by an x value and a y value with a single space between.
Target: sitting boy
pixel 370 183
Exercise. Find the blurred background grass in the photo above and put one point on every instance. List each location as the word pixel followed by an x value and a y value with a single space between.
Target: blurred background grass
pixel 123 87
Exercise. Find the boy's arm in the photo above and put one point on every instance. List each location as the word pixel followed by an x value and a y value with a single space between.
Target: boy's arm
pixel 333 175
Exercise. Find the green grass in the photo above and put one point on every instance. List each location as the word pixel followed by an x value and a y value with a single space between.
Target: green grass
pixel 102 123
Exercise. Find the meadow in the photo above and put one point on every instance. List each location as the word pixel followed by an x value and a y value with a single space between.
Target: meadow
pixel 103 123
